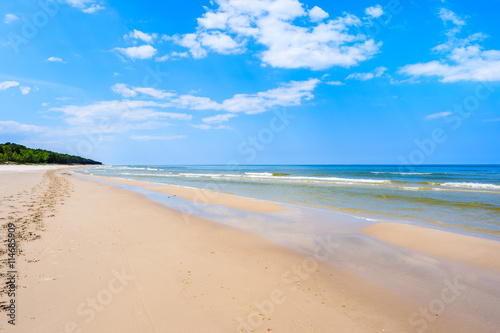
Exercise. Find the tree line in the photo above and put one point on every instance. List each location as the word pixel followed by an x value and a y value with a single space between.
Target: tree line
pixel 14 153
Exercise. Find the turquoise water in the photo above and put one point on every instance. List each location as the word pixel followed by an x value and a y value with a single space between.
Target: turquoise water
pixel 464 197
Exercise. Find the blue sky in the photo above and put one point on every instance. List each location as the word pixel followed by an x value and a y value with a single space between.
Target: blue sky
pixel 254 81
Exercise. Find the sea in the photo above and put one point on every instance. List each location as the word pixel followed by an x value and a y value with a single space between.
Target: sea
pixel 463 198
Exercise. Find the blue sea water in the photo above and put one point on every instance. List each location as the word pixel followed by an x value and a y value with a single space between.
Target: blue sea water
pixel 464 197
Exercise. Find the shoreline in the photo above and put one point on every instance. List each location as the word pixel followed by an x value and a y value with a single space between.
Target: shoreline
pixel 207 197
pixel 479 230
pixel 172 271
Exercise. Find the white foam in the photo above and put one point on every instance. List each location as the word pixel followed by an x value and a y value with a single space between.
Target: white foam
pixel 258 173
pixel 473 185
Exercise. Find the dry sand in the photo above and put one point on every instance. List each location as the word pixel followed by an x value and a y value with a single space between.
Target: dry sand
pixel 111 260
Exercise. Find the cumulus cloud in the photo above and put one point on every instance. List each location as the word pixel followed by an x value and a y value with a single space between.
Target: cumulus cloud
pixel 86 6
pixel 138 52
pixel 9 18
pixel 220 118
pixel 123 90
pixel 8 84
pixel 172 56
pixel 136 34
pixel 150 112
pixel 462 59
pixel 317 14
pixel 217 41
pixel 335 83
pixel 117 116
pixel 293 93
pixel 375 11
pixel 289 94
pixel 317 45
pixel 447 15
pixel 13 127
pixel 54 59
pixel 155 93
pixel 378 72
pixel 25 90
pixel 92 9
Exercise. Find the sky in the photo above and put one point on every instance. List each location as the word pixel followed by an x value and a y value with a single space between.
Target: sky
pixel 253 81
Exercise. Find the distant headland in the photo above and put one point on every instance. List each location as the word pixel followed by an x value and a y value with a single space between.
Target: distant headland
pixel 19 154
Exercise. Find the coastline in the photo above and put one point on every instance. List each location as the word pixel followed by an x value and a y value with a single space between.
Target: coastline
pixel 150 270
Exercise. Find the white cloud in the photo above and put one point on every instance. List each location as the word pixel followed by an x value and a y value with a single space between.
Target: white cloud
pixel 360 76
pixel 270 23
pixel 152 137
pixel 335 83
pixel 220 118
pixel 86 6
pixel 438 115
pixel 202 126
pixel 117 116
pixel 15 127
pixel 216 41
pixel 128 115
pixel 293 93
pixel 317 14
pixel 25 90
pixel 448 16
pixel 54 59
pixel 378 72
pixel 375 11
pixel 156 93
pixel 9 18
pixel 92 9
pixel 172 56
pixel 8 84
pixel 136 34
pixel 162 58
pixel 194 103
pixel 138 52
pixel 123 90
pixel 462 59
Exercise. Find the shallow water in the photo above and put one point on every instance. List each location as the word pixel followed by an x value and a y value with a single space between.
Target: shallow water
pixel 449 197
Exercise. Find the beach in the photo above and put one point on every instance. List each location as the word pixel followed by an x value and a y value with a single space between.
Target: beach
pixel 95 256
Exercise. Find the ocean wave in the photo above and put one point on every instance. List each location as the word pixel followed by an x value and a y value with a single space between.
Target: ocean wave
pixel 122 167
pixel 402 173
pixel 413 188
pixel 145 174
pixel 258 173
pixel 270 176
pixel 266 176
pixel 473 185
pixel 210 175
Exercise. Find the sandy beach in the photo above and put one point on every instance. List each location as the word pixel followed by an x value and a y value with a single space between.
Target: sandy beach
pixel 94 257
